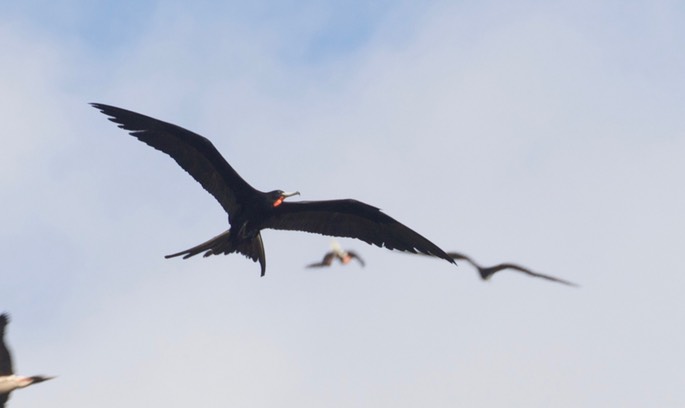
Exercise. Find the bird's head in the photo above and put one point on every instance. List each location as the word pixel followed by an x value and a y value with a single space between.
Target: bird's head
pixel 277 196
pixel 335 247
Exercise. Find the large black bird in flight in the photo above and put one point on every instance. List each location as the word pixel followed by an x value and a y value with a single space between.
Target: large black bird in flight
pixel 250 210
pixel 486 272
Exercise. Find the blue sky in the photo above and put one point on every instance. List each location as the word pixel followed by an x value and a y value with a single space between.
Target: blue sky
pixel 544 133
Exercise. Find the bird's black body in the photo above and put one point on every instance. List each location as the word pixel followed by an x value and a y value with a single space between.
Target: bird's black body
pixel 487 272
pixel 250 211
pixel 5 358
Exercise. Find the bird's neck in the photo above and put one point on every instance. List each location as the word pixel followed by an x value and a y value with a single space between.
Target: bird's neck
pixel 12 382
pixel 18 381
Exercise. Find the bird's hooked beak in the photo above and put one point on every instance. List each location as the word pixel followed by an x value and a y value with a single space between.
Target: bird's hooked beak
pixel 40 378
pixel 283 196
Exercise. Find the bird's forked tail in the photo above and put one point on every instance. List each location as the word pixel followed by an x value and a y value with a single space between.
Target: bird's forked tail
pixel 252 248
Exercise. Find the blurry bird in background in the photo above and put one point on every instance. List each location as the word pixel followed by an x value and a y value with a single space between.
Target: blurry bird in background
pixel 337 253
pixel 487 272
pixel 8 381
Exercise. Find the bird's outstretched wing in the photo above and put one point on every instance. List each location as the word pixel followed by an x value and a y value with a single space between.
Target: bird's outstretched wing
pixel 5 358
pixel 494 269
pixel 326 261
pixel 352 219
pixel 194 153
pixel 461 257
pixel 487 272
pixel 354 255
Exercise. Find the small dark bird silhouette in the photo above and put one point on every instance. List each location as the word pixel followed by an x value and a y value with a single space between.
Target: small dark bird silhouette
pixel 487 272
pixel 8 381
pixel 250 210
pixel 337 253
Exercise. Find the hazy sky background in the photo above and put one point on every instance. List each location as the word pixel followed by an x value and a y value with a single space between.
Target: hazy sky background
pixel 550 134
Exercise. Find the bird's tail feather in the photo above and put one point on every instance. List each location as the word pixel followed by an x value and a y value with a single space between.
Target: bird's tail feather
pixel 209 246
pixel 223 244
pixel 316 265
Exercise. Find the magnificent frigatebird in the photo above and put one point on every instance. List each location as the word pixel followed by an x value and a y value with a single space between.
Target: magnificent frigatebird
pixel 250 210
pixel 338 253
pixel 8 381
pixel 487 272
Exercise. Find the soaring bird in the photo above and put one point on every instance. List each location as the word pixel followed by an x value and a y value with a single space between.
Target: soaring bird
pixel 487 272
pixel 250 210
pixel 8 381
pixel 338 253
